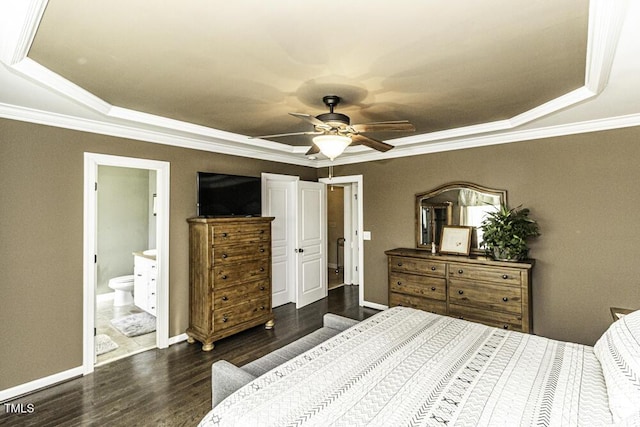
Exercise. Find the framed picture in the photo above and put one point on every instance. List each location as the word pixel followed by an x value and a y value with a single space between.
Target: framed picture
pixel 455 240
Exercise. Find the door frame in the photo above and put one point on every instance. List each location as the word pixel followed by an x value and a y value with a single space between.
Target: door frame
pixel 91 163
pixel 356 180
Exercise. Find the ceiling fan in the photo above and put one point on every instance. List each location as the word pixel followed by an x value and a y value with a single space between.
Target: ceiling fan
pixel 334 131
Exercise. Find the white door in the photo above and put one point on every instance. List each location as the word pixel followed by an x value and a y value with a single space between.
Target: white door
pixel 278 200
pixel 312 243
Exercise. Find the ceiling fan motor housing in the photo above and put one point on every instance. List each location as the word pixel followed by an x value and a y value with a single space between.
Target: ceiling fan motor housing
pixel 334 119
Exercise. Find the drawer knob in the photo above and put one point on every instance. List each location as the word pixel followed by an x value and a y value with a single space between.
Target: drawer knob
pixel 433 269
pixel 224 319
pixel 224 298
pixel 460 271
pixel 261 249
pixel 262 288
pixel 461 317
pixel 261 231
pixel 399 283
pixel 505 326
pixel 261 268
pixel 505 276
pixel 433 288
pixel 224 234
pixel 461 292
pixel 399 264
pixel 224 255
pixel 505 299
pixel 262 307
pixel 224 277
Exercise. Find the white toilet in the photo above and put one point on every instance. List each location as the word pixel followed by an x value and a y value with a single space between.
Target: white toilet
pixel 123 287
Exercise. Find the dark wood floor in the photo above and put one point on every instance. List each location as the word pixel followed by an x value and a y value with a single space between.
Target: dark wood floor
pixel 170 387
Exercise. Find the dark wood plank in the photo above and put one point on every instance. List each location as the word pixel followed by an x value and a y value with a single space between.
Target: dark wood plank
pixel 171 387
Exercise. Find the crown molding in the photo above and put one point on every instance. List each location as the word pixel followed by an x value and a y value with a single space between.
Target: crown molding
pixel 494 139
pixel 19 20
pixel 159 136
pixel 606 18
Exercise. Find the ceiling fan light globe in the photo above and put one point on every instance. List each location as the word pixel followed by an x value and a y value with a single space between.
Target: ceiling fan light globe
pixel 332 145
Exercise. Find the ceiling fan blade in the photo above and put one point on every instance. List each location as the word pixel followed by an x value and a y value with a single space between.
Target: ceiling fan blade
pixel 311 119
pixel 286 134
pixel 371 143
pixel 396 125
pixel 313 150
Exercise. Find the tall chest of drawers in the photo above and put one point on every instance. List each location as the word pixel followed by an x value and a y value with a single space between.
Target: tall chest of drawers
pixel 475 288
pixel 229 277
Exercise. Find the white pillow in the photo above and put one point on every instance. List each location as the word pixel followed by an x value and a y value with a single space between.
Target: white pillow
pixel 618 351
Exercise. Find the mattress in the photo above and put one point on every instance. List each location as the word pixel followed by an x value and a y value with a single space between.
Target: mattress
pixel 409 367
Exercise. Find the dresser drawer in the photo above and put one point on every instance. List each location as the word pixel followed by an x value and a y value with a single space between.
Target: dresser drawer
pixel 245 311
pixel 238 294
pixel 421 266
pixel 230 274
pixel 225 255
pixel 486 295
pixel 499 320
pixel 426 304
pixel 240 233
pixel 509 276
pixel 424 286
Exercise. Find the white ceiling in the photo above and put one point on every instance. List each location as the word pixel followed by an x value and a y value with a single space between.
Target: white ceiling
pixel 209 76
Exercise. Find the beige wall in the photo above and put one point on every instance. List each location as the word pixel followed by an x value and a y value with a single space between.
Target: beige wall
pixel 41 204
pixel 584 190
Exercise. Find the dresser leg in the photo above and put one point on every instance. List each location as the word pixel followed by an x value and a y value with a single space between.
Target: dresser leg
pixel 207 346
pixel 270 324
pixel 190 339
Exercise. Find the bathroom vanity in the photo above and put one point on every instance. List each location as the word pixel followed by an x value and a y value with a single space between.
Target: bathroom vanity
pixel 144 281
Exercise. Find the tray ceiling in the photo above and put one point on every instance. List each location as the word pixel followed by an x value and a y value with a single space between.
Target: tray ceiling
pixel 241 66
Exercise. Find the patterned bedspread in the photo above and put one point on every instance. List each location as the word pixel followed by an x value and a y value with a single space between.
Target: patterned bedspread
pixel 409 367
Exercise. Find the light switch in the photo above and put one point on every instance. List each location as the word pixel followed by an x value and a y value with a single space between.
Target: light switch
pixel 366 235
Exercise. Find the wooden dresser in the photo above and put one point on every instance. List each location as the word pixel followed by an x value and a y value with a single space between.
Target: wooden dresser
pixel 474 288
pixel 229 277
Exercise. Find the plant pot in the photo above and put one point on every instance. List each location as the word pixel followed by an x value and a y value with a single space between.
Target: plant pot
pixel 503 255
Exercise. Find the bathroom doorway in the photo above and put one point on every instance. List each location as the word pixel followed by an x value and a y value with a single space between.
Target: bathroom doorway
pixel 126 262
pixel 126 246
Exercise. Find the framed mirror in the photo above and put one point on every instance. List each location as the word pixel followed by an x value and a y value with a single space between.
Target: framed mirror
pixel 457 204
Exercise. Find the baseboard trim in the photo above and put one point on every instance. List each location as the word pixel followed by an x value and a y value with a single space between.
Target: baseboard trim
pixel 178 339
pixel 374 305
pixel 51 380
pixel 40 383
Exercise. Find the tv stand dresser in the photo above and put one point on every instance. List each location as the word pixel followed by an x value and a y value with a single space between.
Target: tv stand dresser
pixel 474 288
pixel 229 277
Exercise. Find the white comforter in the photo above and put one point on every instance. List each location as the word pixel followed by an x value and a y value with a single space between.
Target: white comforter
pixel 409 367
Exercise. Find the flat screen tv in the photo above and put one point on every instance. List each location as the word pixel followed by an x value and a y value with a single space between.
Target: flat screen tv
pixel 222 195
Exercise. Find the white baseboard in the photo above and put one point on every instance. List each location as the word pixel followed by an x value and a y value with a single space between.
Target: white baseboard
pixel 177 339
pixel 40 383
pixel 30 387
pixel 374 305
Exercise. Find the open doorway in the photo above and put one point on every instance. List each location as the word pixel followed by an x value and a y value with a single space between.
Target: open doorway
pixel 335 236
pixel 125 320
pixel 344 228
pixel 152 178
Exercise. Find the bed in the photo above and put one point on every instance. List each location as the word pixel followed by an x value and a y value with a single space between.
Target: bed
pixel 409 367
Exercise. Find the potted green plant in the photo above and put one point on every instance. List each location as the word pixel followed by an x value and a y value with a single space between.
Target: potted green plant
pixel 505 232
